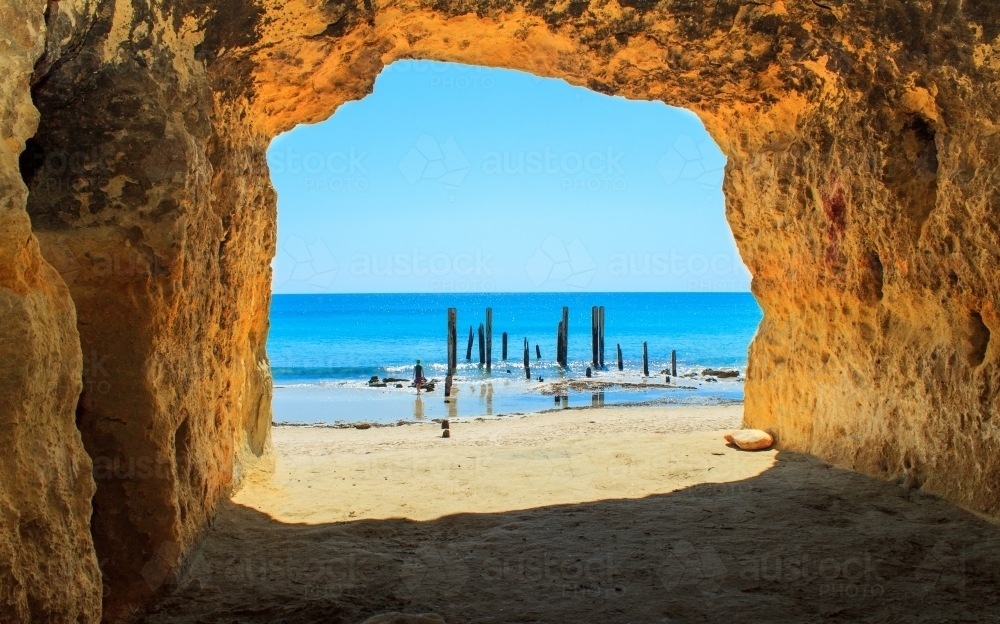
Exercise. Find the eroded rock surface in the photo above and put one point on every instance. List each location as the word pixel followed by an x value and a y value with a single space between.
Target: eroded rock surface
pixel 861 187
pixel 48 569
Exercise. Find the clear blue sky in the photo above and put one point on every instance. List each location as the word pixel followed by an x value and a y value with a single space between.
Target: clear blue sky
pixel 466 179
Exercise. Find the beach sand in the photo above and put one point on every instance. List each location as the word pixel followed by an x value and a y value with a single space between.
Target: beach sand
pixel 495 465
pixel 589 515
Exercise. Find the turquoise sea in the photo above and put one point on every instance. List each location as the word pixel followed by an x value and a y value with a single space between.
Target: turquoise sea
pixel 324 348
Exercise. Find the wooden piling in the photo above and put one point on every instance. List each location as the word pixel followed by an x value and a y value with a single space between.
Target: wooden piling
pixel 489 339
pixel 538 352
pixel 621 364
pixel 452 349
pixel 468 351
pixel 504 351
pixel 452 340
pixel 482 344
pixel 527 361
pixel 564 356
pixel 673 363
pixel 559 344
pixel 600 337
pixel 594 322
pixel 645 360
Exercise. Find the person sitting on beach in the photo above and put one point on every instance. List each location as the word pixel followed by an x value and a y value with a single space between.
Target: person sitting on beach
pixel 418 376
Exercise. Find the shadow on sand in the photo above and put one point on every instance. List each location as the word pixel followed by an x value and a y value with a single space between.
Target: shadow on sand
pixel 802 542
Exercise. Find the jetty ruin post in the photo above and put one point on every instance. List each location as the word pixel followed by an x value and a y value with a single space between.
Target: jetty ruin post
pixel 489 339
pixel 673 363
pixel 645 360
pixel 452 348
pixel 504 348
pixel 468 351
pixel 538 352
pixel 563 356
pixel 594 329
pixel 482 344
pixel 621 365
pixel 559 344
pixel 527 361
pixel 600 338
pixel 452 340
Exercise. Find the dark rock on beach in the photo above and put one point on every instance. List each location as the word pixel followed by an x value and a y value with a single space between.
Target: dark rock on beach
pixel 721 374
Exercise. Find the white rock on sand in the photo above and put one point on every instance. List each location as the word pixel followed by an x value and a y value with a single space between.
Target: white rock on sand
pixel 750 439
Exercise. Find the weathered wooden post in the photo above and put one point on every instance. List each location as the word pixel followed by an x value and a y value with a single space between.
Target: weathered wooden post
pixel 600 339
pixel 559 344
pixel 673 363
pixel 527 361
pixel 452 348
pixel 645 361
pixel 538 352
pixel 489 339
pixel 468 351
pixel 565 320
pixel 482 344
pixel 594 322
pixel 621 364
pixel 505 346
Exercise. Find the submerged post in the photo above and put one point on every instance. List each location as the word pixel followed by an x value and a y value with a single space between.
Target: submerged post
pixel 559 344
pixel 600 337
pixel 482 344
pixel 504 352
pixel 621 365
pixel 565 341
pixel 452 349
pixel 527 361
pixel 673 363
pixel 594 329
pixel 452 339
pixel 645 361
pixel 468 351
pixel 489 339
pixel 538 352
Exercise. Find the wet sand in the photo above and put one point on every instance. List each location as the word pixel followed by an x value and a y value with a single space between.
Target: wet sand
pixel 591 515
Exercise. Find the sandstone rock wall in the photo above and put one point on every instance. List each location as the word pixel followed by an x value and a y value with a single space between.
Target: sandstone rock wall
pixel 168 263
pixel 860 188
pixel 48 569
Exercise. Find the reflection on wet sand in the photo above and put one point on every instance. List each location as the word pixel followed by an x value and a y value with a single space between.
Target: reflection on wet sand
pixel 452 402
pixel 418 408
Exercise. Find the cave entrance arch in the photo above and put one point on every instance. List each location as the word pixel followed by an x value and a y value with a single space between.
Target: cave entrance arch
pixel 458 183
pixel 164 226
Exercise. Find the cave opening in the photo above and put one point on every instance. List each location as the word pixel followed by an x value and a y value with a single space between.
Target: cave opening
pixel 457 186
pixel 148 193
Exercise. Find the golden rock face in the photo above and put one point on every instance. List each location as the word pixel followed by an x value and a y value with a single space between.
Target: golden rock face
pixel 861 187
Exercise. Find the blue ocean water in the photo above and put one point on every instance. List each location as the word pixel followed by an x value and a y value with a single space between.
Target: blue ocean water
pixel 324 348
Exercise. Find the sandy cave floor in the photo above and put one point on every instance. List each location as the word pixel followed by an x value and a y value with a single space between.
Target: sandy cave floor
pixel 606 515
